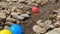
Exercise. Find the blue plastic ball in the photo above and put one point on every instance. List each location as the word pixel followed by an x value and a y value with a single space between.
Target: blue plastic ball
pixel 15 29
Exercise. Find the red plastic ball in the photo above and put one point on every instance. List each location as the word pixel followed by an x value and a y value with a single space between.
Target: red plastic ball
pixel 34 9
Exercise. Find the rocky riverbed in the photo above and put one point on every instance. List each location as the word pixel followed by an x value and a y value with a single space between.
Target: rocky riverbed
pixel 46 21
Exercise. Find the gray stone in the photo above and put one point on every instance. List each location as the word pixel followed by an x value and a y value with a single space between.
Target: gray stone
pixel 20 17
pixel 25 15
pixel 17 16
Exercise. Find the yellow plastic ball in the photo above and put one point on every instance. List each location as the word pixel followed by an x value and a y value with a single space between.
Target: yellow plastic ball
pixel 5 32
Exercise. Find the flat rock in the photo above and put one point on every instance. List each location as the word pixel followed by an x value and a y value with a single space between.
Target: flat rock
pixel 38 29
pixel 20 17
pixel 11 0
pixel 25 15
pixel 22 0
pixel 19 11
pixel 2 15
pixel 54 31
pixel 39 22
pixel 49 24
pixel 8 23
pixel 14 15
pixel 11 19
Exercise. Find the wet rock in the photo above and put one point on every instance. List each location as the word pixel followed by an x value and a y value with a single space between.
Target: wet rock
pixel 38 29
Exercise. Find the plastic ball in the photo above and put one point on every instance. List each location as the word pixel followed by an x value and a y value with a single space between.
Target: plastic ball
pixel 5 32
pixel 34 9
pixel 15 29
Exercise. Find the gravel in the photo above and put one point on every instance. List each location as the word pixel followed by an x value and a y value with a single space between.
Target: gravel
pixel 16 11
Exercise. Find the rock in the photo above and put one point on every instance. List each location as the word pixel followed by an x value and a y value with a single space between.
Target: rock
pixel 20 17
pixel 52 0
pixel 3 3
pixel 51 32
pixel 8 23
pixel 7 11
pixel 54 31
pixel 49 24
pixel 17 16
pixel 39 23
pixel 6 27
pixel 19 11
pixel 10 3
pixel 57 10
pixel 2 15
pixel 22 0
pixel 18 21
pixel 25 15
pixel 11 0
pixel 38 29
pixel 58 16
pixel 57 23
pixel 10 19
pixel 28 12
